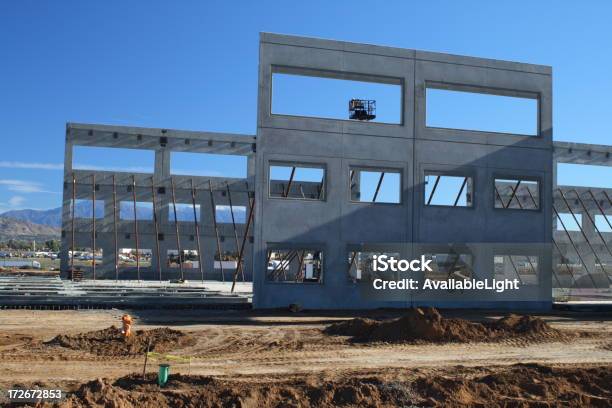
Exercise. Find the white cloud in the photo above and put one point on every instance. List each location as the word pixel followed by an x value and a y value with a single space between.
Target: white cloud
pixel 24 186
pixel 31 165
pixel 16 201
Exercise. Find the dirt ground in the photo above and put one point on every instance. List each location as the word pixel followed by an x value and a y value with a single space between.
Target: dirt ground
pixel 264 349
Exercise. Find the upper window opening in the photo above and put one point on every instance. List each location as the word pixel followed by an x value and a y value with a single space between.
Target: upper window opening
pixel 447 190
pixel 208 164
pixel 224 214
pixel 142 209
pixel 518 194
pixel 454 109
pixel 297 181
pixel 84 208
pixel 336 98
pixel 584 175
pixel 375 185
pixel 113 159
pixel 184 212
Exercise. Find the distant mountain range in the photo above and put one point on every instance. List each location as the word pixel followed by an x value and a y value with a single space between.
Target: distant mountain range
pixel 23 230
pixel 53 217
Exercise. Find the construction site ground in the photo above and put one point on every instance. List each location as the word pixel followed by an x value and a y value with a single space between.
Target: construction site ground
pixel 250 346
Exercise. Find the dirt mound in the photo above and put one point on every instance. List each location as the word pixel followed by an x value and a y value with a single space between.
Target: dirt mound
pixel 523 325
pixel 518 385
pixel 521 385
pixel 428 325
pixel 354 327
pixel 110 341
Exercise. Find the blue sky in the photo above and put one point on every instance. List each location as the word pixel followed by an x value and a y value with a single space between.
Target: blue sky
pixel 193 64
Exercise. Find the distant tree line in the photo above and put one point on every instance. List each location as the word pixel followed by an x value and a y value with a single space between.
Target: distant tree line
pixel 27 245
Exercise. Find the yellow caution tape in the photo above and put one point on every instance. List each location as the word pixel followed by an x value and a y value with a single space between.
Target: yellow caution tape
pixel 158 356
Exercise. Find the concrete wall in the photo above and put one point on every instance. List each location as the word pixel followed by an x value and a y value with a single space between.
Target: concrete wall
pixel 105 228
pixel 336 224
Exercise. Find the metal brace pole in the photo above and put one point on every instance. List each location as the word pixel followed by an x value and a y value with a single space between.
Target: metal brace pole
pixel 554 242
pixel 608 197
pixel 176 228
pixel 197 230
pixel 380 180
pixel 515 270
pixel 460 191
pixel 136 227
pixel 574 246
pixel 501 200
pixel 569 270
pixel 286 193
pixel 214 217
pixel 300 264
pixel 93 224
pixel 514 190
pixel 115 229
pixel 601 209
pixel 244 238
pixel 72 225
pixel 229 197
pixel 352 263
pixel 586 211
pixel 433 190
pixel 155 224
pixel 283 265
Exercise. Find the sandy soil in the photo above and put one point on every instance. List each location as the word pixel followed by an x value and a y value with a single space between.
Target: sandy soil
pixel 251 346
pixel 231 342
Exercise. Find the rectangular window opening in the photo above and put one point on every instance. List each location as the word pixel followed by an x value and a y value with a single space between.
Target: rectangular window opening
pixel 189 258
pixel 584 175
pixel 521 267
pixel 448 190
pixel 208 164
pixel 84 256
pixel 113 159
pixel 229 260
pixel 144 210
pixel 294 265
pixel 83 208
pixel 361 265
pixel 223 214
pixel 330 98
pixel 375 185
pixel 517 194
pixel 601 224
pixel 184 212
pixel 127 257
pixel 486 112
pixel 445 266
pixel 297 181
pixel 566 220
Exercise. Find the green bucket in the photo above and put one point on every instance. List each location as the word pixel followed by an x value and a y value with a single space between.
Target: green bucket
pixel 162 375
